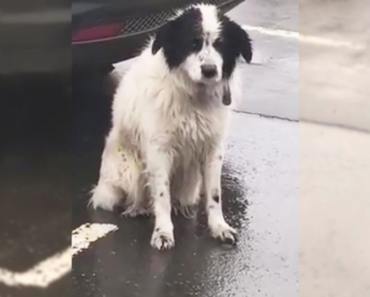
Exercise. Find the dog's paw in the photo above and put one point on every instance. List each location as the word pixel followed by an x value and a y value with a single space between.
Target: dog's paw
pixel 224 233
pixel 162 240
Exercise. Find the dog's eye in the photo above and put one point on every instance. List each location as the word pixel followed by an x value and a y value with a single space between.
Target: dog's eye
pixel 217 43
pixel 197 43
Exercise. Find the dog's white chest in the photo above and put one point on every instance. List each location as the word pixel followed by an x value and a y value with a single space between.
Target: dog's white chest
pixel 195 131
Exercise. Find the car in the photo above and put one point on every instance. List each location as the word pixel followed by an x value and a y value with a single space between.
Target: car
pixel 36 35
pixel 106 32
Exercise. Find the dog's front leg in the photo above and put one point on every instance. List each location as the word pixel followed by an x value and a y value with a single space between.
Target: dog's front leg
pixel 212 190
pixel 159 163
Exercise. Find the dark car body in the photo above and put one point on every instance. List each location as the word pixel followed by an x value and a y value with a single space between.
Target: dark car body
pixel 127 25
pixel 35 36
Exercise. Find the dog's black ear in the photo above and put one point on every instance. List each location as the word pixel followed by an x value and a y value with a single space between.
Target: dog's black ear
pixel 238 39
pixel 244 43
pixel 226 98
pixel 161 38
pixel 246 49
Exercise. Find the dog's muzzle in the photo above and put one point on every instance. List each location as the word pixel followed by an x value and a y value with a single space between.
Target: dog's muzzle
pixel 209 70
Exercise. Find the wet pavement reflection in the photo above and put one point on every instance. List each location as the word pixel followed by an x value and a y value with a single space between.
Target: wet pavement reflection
pixel 123 263
pixel 35 166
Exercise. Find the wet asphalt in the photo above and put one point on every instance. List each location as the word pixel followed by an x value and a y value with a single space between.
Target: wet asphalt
pixel 276 58
pixel 52 141
pixel 35 178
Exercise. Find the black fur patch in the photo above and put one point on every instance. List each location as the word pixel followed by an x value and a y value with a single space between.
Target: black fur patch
pixel 226 98
pixel 180 37
pixel 216 198
pixel 233 43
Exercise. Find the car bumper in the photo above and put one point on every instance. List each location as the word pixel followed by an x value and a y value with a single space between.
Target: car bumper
pixel 109 51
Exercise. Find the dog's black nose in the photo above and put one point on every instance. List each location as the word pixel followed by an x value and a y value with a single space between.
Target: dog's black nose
pixel 209 70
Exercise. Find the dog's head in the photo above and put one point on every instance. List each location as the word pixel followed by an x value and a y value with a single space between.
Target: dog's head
pixel 204 43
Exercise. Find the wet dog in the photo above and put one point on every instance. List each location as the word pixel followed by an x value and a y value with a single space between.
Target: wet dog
pixel 170 113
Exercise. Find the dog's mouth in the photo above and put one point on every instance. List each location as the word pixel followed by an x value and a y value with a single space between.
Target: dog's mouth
pixel 209 81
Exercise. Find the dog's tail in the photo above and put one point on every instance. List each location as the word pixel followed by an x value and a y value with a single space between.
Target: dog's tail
pixel 105 196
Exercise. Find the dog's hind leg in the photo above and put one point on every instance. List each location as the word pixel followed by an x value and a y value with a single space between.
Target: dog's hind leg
pixel 107 194
pixel 120 179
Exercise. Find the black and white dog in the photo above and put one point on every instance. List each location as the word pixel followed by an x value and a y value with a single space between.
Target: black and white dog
pixel 170 114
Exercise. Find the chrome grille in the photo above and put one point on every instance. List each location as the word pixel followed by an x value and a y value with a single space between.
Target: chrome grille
pixel 218 2
pixel 156 20
pixel 148 22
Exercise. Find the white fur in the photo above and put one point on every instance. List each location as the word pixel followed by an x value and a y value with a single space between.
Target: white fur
pixel 165 144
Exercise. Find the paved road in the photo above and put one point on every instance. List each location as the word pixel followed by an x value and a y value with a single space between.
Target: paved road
pixel 334 78
pixel 271 84
pixel 334 162
pixel 334 61
pixel 35 185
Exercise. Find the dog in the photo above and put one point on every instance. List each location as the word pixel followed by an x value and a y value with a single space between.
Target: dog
pixel 169 118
